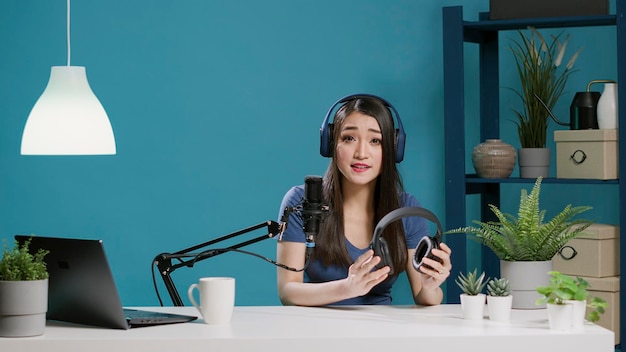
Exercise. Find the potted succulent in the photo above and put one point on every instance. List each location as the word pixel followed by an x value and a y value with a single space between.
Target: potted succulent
pixel 543 76
pixel 499 299
pixel 526 244
pixel 472 298
pixel 573 291
pixel 23 291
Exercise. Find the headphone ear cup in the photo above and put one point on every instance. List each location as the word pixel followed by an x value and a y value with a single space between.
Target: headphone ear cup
pixel 330 146
pixel 382 250
pixel 399 155
pixel 326 140
pixel 424 250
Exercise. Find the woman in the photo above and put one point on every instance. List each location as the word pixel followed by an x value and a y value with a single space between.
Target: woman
pixel 361 185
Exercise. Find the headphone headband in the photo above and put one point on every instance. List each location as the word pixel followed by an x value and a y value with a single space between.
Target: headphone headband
pixel 325 134
pixel 403 213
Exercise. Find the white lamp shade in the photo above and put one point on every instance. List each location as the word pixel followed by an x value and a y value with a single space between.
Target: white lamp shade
pixel 68 118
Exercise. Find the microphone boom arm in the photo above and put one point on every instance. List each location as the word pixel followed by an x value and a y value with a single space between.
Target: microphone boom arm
pixel 163 261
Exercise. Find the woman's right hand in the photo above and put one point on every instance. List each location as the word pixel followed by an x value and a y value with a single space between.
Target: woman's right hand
pixel 361 275
pixel 293 290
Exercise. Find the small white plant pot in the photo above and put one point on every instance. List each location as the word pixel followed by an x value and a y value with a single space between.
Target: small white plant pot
pixel 499 308
pixel 473 307
pixel 560 316
pixel 578 313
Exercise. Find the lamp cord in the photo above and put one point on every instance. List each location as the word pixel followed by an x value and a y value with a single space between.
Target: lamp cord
pixel 69 51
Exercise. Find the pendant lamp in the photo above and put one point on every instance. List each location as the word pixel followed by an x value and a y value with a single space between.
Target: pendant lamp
pixel 68 118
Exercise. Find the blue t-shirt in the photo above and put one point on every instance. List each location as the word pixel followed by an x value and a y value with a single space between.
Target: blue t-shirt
pixel 414 228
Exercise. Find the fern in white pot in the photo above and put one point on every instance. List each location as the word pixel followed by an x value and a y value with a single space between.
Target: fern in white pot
pixel 527 240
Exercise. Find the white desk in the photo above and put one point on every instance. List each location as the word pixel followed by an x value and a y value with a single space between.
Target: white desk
pixel 301 329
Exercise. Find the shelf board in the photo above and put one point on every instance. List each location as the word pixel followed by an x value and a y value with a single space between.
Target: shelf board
pixel 477 185
pixel 473 178
pixel 548 22
pixel 475 31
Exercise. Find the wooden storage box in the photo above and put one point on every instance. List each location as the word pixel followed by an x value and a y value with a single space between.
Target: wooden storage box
pixel 596 253
pixel 587 154
pixel 607 288
pixel 507 9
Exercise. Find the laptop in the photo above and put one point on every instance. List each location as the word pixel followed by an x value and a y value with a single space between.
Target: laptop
pixel 81 288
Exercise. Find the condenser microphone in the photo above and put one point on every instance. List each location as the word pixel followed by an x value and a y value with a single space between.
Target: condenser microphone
pixel 312 209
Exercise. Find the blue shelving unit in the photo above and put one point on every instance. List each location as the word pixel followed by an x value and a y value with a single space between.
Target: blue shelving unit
pixel 484 33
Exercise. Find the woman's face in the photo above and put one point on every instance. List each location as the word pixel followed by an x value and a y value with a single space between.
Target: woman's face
pixel 359 149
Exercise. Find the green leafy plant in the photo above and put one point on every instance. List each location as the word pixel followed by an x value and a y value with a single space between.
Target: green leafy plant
pixel 564 288
pixel 18 264
pixel 499 287
pixel 472 284
pixel 540 72
pixel 528 237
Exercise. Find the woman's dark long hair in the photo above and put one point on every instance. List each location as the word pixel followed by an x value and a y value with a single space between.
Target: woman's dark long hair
pixel 331 243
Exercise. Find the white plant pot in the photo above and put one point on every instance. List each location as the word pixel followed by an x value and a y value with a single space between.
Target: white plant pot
pixel 560 316
pixel 473 307
pixel 23 307
pixel 578 313
pixel 524 278
pixel 499 308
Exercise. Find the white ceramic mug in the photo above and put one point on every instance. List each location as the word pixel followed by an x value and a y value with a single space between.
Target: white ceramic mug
pixel 217 299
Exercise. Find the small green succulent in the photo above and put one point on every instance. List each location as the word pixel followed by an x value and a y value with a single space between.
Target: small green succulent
pixel 499 287
pixel 472 284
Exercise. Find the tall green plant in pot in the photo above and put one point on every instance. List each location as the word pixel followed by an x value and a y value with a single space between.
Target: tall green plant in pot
pixel 23 291
pixel 526 244
pixel 542 74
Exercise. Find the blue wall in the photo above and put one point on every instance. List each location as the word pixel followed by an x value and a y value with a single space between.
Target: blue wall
pixel 216 107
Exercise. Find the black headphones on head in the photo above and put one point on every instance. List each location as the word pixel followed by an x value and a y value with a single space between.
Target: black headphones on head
pixel 424 246
pixel 327 140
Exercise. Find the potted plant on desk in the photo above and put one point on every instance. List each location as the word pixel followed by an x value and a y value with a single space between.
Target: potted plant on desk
pixel 472 298
pixel 23 291
pixel 541 71
pixel 499 299
pixel 526 244
pixel 568 299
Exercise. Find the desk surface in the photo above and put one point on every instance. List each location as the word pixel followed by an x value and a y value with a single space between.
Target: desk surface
pixel 302 329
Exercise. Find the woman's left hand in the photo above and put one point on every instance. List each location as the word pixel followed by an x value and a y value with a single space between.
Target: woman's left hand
pixel 436 272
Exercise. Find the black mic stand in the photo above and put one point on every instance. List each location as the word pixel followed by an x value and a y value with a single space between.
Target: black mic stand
pixel 164 260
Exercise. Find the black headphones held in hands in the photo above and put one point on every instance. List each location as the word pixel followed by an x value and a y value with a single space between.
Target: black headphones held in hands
pixel 327 140
pixel 424 246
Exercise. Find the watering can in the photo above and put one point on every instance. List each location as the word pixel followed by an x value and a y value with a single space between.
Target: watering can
pixel 583 113
pixel 584 109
